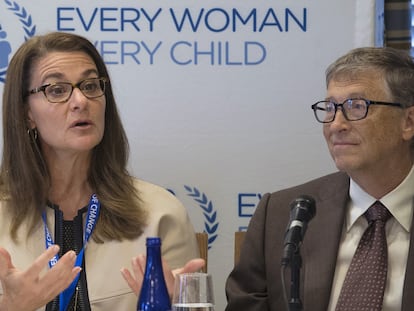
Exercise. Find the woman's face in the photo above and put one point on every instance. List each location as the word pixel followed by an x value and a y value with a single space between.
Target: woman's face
pixel 75 126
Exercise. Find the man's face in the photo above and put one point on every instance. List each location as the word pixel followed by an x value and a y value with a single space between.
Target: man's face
pixel 378 142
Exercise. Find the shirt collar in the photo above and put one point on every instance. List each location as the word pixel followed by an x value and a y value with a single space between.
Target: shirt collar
pixel 399 202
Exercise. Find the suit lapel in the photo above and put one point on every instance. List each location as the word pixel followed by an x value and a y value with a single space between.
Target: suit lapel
pixel 319 259
pixel 408 297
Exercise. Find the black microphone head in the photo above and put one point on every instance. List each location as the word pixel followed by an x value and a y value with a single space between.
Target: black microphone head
pixel 303 208
pixel 301 212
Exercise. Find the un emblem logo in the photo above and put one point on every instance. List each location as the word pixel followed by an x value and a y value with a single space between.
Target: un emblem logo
pixel 29 29
pixel 210 222
pixel 210 214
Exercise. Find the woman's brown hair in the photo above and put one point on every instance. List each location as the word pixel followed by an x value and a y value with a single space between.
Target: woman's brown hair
pixel 24 176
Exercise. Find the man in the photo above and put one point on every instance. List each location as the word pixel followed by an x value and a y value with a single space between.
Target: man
pixel 368 124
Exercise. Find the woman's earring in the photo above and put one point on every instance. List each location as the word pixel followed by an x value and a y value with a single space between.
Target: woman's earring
pixel 32 133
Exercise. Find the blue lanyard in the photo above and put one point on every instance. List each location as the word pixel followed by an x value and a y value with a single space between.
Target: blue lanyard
pixel 91 219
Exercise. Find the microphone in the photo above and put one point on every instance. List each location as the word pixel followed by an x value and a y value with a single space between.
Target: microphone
pixel 302 210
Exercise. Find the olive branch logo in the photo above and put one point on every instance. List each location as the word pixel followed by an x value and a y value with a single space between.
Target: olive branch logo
pixel 210 215
pixel 24 18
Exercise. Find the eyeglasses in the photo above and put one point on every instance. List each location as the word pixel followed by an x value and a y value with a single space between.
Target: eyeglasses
pixel 353 109
pixel 60 92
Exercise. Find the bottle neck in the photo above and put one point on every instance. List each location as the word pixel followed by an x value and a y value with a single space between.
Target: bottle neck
pixel 154 252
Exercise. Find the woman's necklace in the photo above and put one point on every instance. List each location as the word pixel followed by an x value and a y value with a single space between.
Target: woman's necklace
pixel 76 298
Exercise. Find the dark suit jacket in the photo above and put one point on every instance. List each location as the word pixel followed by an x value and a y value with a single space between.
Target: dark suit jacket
pixel 255 282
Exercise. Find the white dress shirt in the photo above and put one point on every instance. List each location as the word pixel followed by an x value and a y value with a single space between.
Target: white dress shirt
pixel 400 203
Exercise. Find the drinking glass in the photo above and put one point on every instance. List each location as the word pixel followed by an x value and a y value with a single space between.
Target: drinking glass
pixel 193 292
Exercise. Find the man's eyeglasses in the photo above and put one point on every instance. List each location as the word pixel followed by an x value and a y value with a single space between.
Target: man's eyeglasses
pixel 60 92
pixel 353 109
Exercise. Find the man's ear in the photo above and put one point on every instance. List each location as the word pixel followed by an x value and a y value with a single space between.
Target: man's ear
pixel 408 125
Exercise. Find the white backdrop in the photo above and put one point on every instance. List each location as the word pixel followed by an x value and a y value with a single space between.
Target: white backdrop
pixel 215 95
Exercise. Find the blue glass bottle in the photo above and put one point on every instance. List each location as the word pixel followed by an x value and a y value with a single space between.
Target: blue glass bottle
pixel 154 294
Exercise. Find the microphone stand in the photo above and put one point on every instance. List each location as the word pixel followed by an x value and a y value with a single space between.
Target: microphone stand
pixel 295 304
pixel 302 210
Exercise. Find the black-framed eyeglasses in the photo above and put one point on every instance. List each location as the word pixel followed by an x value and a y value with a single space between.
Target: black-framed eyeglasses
pixel 353 109
pixel 60 92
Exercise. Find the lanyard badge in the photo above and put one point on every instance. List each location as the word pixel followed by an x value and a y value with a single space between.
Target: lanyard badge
pixel 91 219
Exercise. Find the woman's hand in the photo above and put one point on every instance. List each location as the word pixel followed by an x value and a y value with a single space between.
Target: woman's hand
pixel 30 289
pixel 134 279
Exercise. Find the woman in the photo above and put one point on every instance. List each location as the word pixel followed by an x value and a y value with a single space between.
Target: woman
pixel 64 181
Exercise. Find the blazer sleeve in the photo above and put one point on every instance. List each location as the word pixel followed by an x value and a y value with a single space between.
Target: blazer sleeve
pixel 246 287
pixel 170 221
